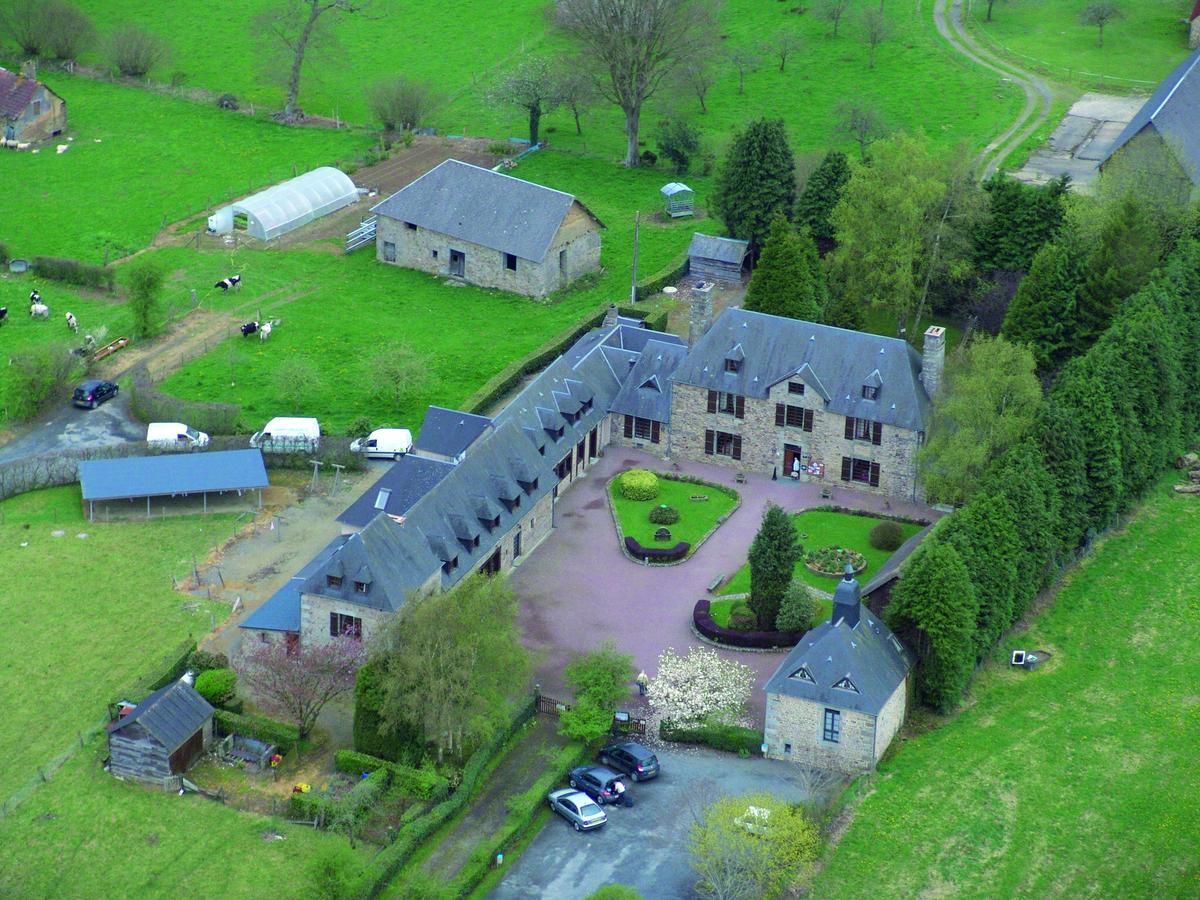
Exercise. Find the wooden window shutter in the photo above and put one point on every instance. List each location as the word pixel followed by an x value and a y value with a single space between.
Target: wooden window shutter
pixel 739 408
pixel 874 474
pixel 808 420
pixel 780 413
pixel 709 439
pixel 737 446
pixel 849 428
pixel 629 426
pixel 712 401
pixel 845 468
pixel 876 433
pixel 333 625
pixel 654 432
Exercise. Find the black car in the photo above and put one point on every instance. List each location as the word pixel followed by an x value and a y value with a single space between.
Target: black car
pixel 92 393
pixel 598 783
pixel 630 757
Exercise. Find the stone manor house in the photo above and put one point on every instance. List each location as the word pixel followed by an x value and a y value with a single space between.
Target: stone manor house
pixel 756 393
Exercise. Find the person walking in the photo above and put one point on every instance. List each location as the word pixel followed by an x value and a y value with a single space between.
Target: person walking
pixel 642 681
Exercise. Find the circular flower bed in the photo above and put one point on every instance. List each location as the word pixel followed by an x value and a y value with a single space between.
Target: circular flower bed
pixel 831 561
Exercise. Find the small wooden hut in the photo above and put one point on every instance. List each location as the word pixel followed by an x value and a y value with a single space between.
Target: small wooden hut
pixel 717 258
pixel 680 199
pixel 162 735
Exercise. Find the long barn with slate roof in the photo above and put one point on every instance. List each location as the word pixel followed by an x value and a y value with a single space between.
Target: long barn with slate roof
pixel 489 229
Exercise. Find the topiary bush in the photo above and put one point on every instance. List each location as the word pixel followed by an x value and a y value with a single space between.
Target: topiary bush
pixel 886 536
pixel 638 484
pixel 664 515
pixel 217 686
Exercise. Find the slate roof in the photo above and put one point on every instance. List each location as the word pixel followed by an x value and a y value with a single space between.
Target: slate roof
pixel 868 654
pixel 448 432
pixel 170 715
pixel 481 206
pixel 834 362
pixel 891 569
pixel 647 389
pixel 407 480
pixel 15 93
pixel 726 250
pixel 174 473
pixel 1173 110
pixel 281 611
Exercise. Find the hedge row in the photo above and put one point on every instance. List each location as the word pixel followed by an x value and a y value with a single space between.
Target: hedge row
pixel 151 405
pixel 323 809
pixel 72 271
pixel 762 640
pixel 657 554
pixel 282 735
pixel 729 738
pixel 420 784
pixel 660 280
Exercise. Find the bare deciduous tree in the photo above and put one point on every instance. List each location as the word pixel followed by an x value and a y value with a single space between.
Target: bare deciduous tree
pixel 860 122
pixel 832 11
pixel 398 372
pixel 27 22
pixel 634 44
pixel 400 102
pixel 576 89
pixel 876 30
pixel 134 51
pixel 533 86
pixel 1100 14
pixel 301 682
pixel 783 45
pixel 696 76
pixel 745 60
pixel 70 31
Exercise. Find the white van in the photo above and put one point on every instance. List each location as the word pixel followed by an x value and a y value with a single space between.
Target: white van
pixel 175 436
pixel 288 434
pixel 384 442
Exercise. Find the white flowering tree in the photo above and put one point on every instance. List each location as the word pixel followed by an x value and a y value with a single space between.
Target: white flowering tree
pixel 701 686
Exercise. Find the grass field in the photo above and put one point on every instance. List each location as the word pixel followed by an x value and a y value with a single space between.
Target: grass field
pixel 721 610
pixel 1075 780
pixel 1046 35
pixel 140 159
pixel 696 519
pixel 69 638
pixel 819 528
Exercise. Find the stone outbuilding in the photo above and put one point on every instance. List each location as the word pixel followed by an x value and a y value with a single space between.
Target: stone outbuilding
pixel 488 229
pixel 161 736
pixel 30 110
pixel 841 694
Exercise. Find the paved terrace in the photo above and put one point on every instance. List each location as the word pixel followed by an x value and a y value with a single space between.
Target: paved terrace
pixel 578 589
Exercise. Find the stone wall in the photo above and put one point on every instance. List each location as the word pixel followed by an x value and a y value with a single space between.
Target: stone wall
pixel 578 239
pixel 315 610
pixel 801 724
pixel 616 427
pixel 40 126
pixel 763 441
pixel 890 718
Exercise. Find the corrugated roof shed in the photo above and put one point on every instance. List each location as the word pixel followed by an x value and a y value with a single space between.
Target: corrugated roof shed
pixel 1173 110
pixel 181 473
pixel 171 715
pixel 449 432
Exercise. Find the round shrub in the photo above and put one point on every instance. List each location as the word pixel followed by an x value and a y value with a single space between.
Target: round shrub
pixel 886 536
pixel 217 686
pixel 664 515
pixel 638 484
pixel 797 609
pixel 227 101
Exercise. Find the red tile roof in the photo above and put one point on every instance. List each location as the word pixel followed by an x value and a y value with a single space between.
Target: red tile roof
pixel 15 93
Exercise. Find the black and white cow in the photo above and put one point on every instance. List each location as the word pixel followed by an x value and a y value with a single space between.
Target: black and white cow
pixel 71 323
pixel 3 314
pixel 249 328
pixel 227 283
pixel 34 297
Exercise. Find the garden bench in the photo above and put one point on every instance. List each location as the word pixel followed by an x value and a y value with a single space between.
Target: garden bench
pixel 740 477
pixel 826 493
pixel 699 498
pixel 715 583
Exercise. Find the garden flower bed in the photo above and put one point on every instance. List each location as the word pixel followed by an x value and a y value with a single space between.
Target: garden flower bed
pixel 831 561
pixel 651 523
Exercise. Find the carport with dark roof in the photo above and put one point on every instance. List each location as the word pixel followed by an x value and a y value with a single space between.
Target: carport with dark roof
pixel 171 478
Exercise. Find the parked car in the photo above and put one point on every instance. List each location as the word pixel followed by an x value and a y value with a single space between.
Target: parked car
pixel 598 782
pixel 175 436
pixel 577 808
pixel 93 392
pixel 388 443
pixel 630 757
pixel 288 434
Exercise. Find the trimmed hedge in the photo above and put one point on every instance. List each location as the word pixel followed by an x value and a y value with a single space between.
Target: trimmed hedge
pixel 420 784
pixel 760 640
pixel 657 554
pixel 217 686
pixel 314 807
pixel 283 736
pixel 71 271
pixel 638 484
pixel 203 660
pixel 151 405
pixel 660 280
pixel 728 738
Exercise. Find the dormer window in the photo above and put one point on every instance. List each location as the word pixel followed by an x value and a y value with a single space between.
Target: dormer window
pixel 333 581
pixel 450 565
pixel 845 684
pixel 510 505
pixel 796 387
pixel 529 486
pixel 587 405
pixel 360 587
pixel 733 365
pixel 870 392
pixel 802 674
pixel 411 226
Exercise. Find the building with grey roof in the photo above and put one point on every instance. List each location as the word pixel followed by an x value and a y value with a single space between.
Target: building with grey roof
pixel 162 735
pixel 462 221
pixel 839 697
pixel 396 490
pixel 29 110
pixel 169 476
pixel 717 258
pixel 447 433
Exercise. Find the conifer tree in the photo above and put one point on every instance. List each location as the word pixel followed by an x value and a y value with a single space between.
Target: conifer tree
pixel 1042 313
pixel 821 194
pixel 1021 219
pixel 756 181
pixel 1060 435
pixel 1125 256
pixel 1086 399
pixel 846 311
pixel 788 280
pixel 984 533
pixel 773 557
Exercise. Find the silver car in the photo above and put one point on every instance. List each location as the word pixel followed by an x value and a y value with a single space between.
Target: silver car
pixel 577 808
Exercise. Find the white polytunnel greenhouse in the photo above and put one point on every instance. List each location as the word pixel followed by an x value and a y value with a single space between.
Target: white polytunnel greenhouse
pixel 286 206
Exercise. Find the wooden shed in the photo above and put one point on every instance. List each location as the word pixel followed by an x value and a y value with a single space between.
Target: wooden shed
pixel 162 735
pixel 717 258
pixel 680 199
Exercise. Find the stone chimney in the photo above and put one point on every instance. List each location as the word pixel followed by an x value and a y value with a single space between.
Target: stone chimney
pixel 933 359
pixel 610 317
pixel 847 599
pixel 29 69
pixel 700 314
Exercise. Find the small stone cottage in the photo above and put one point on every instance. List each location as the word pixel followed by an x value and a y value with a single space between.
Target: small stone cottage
pixel 840 696
pixel 30 110
pixel 161 736
pixel 488 229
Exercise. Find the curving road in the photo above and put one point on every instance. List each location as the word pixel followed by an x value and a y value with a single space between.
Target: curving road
pixel 1037 92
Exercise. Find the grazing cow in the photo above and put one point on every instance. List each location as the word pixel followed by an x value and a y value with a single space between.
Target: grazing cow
pixel 34 297
pixel 226 283
pixel 264 330
pixel 249 328
pixel 71 323
pixel 39 310
pixel 3 314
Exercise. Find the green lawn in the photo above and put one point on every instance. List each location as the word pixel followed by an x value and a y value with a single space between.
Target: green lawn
pixel 1078 779
pixel 1143 47
pixel 80 619
pixel 721 610
pixel 140 159
pixel 819 528
pixel 696 518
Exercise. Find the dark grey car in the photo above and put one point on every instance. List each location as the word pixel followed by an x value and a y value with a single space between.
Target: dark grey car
pixel 598 782
pixel 93 392
pixel 630 757
pixel 577 808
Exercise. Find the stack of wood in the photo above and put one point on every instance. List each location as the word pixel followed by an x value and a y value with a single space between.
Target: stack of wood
pixel 1191 463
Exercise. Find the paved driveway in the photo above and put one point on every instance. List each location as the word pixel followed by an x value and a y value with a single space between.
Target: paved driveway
pixel 645 845
pixel 68 428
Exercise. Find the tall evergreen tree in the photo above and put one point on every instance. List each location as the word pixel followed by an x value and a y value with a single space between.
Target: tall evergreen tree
pixel 1021 219
pixel 773 556
pixel 1060 435
pixel 756 181
pixel 788 280
pixel 984 533
pixel 934 605
pixel 1086 399
pixel 821 194
pixel 1042 313
pixel 1125 256
pixel 846 311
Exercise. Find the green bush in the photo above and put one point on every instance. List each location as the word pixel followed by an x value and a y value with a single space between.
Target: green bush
pixel 217 686
pixel 260 728
pixel 638 484
pixel 421 784
pixel 742 617
pixel 615 892
pixel 886 536
pixel 664 515
pixel 368 697
pixel 797 610
pixel 203 660
pixel 312 807
pixel 72 271
pixel 38 376
pixel 729 738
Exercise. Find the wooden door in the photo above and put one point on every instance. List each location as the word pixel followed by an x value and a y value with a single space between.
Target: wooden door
pixel 458 261
pixel 792 461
